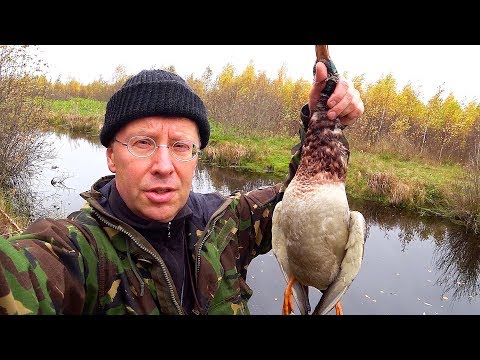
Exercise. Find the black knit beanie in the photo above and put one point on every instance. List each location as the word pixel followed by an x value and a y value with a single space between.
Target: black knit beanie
pixel 151 93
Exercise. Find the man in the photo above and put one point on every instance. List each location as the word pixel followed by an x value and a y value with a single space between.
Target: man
pixel 144 243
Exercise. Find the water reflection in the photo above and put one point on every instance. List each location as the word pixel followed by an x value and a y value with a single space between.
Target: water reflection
pixel 226 180
pixel 455 255
pixel 458 256
pixel 412 264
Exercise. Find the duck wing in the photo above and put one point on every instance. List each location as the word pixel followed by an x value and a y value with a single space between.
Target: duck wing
pixel 349 267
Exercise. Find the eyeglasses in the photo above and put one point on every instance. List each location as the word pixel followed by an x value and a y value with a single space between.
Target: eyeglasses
pixel 144 146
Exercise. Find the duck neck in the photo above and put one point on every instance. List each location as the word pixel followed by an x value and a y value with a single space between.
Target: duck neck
pixel 324 153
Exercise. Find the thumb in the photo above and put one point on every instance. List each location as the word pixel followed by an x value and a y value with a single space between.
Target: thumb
pixel 320 74
pixel 318 85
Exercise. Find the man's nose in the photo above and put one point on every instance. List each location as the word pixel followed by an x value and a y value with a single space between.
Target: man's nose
pixel 162 161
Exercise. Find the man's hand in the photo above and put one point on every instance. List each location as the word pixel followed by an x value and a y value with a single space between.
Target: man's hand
pixel 345 102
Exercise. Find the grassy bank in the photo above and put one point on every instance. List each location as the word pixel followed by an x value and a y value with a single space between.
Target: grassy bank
pixel 385 178
pixel 76 116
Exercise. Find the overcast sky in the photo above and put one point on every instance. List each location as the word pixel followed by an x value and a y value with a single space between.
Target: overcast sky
pixel 456 68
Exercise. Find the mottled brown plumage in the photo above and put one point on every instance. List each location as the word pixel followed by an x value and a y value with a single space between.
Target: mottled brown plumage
pixel 324 153
pixel 317 240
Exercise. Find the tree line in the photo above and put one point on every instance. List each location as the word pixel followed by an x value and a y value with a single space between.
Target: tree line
pixel 248 102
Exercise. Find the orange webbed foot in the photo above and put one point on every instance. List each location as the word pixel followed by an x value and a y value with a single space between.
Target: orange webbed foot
pixel 287 308
pixel 338 309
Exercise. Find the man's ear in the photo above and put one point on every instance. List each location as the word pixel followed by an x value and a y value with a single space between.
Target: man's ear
pixel 111 160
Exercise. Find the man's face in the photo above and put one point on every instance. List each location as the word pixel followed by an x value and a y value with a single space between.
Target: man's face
pixel 155 187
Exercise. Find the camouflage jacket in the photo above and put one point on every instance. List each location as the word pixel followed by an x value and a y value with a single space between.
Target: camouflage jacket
pixel 93 263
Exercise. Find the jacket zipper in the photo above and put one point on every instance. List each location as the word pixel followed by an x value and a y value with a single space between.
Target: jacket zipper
pixel 217 215
pixel 141 246
pixel 199 254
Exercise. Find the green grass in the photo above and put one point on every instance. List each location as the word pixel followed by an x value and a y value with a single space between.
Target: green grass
pixel 77 106
pixel 269 154
pixel 438 176
pixel 76 116
pixel 275 152
pixel 434 180
pixel 406 169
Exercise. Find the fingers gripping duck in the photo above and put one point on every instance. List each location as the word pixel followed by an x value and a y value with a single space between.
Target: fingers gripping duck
pixel 317 240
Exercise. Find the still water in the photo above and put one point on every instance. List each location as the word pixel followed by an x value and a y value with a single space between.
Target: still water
pixel 412 265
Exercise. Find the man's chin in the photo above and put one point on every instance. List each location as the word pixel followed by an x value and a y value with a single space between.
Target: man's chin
pixel 157 215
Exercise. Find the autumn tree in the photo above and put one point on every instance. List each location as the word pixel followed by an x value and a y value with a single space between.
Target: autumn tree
pixel 252 104
pixel 379 99
pixel 23 145
pixel 408 114
pixel 472 116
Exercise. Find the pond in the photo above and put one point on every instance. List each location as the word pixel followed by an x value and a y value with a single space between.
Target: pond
pixel 412 264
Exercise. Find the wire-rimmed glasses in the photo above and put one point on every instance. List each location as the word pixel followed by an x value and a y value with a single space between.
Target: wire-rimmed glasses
pixel 144 146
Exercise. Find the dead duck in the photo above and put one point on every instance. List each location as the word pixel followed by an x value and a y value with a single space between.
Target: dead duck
pixel 316 238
